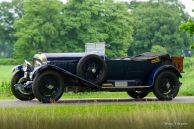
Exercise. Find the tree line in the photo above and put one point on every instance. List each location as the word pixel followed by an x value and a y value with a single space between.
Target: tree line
pixel 31 26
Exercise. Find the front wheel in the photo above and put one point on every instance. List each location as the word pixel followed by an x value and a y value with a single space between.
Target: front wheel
pixel 48 87
pixel 166 85
pixel 137 94
pixel 18 89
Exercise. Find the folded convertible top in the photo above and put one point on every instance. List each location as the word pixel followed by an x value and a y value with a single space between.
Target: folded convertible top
pixel 151 55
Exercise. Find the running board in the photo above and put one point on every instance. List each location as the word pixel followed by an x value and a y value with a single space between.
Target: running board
pixel 123 88
pixel 122 83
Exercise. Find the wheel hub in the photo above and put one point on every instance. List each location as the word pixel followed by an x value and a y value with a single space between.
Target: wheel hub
pixel 168 85
pixel 20 88
pixel 93 70
pixel 50 87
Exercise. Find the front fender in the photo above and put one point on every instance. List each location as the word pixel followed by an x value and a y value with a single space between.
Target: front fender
pixel 157 70
pixel 17 68
pixel 63 72
pixel 43 68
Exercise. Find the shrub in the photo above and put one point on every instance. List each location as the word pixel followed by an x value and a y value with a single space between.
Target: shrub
pixel 7 61
pixel 5 89
pixel 158 48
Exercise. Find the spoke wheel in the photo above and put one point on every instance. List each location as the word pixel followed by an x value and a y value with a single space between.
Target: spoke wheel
pixel 48 87
pixel 18 87
pixel 92 68
pixel 166 85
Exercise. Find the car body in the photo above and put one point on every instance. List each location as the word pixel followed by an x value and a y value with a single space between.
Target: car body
pixel 53 73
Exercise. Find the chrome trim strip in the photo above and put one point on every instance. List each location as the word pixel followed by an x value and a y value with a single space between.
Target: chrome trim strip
pixel 128 87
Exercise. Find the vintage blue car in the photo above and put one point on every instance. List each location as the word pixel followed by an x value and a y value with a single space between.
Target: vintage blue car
pixel 51 74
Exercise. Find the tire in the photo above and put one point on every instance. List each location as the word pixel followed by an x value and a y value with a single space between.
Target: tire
pixel 166 86
pixel 137 94
pixel 92 68
pixel 48 87
pixel 18 79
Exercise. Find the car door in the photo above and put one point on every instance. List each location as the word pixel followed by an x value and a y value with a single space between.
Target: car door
pixel 115 69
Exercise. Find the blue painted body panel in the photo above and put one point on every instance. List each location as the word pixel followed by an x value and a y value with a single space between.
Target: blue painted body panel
pixel 17 68
pixel 139 69
pixel 64 72
pixel 66 56
pixel 160 68
pixel 63 56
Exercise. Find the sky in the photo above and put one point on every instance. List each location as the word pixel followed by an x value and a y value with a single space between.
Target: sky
pixel 189 4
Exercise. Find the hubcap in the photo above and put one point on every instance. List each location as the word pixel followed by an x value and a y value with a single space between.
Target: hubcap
pixel 49 86
pixel 93 70
pixel 167 86
pixel 20 86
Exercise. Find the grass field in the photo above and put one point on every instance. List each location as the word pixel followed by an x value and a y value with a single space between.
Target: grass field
pixel 5 72
pixel 5 76
pixel 187 88
pixel 188 78
pixel 138 116
pixel 99 116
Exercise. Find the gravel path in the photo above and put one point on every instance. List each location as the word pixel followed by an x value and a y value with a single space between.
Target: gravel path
pixel 90 101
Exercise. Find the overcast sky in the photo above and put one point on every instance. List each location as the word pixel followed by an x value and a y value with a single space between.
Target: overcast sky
pixel 189 4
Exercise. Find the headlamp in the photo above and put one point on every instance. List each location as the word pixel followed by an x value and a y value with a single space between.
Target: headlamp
pixel 27 67
pixel 37 63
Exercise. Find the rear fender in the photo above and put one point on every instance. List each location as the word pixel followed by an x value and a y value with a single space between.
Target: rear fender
pixel 64 73
pixel 159 69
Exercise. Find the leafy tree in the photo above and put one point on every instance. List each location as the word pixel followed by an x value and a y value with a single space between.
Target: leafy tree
pixel 97 21
pixel 188 27
pixel 50 26
pixel 158 48
pixel 39 28
pixel 9 13
pixel 156 23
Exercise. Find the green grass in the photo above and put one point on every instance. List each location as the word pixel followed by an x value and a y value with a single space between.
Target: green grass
pixel 5 72
pixel 96 95
pixel 5 77
pixel 138 116
pixel 187 89
pixel 112 116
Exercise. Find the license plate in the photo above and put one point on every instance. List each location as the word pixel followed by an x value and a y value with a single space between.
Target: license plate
pixel 121 83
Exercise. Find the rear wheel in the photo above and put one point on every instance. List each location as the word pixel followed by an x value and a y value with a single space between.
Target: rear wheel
pixel 18 87
pixel 137 94
pixel 48 87
pixel 166 85
pixel 92 68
